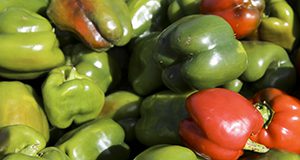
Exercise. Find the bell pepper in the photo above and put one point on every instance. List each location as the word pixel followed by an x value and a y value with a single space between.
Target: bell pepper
pixel 20 139
pixel 99 66
pixel 90 140
pixel 281 114
pixel 147 15
pixel 144 74
pixel 100 24
pixel 220 124
pixel 49 153
pixel 70 97
pixel 269 65
pixel 180 8
pixel 279 25
pixel 166 152
pixel 199 51
pixel 161 114
pixel 243 16
pixel 19 104
pixel 275 155
pixel 28 45
pixel 32 5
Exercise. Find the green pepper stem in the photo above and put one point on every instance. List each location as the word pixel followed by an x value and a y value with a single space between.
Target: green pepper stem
pixel 266 112
pixel 256 147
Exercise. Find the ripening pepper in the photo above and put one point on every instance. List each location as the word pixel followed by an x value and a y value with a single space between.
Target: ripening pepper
pixel 166 152
pixel 100 24
pixel 70 97
pixel 199 51
pixel 98 66
pixel 20 139
pixel 180 8
pixel 269 65
pixel 147 15
pixel 100 139
pixel 28 45
pixel 32 5
pixel 279 25
pixel 281 114
pixel 243 16
pixel 49 153
pixel 142 68
pixel 220 124
pixel 19 104
pixel 161 114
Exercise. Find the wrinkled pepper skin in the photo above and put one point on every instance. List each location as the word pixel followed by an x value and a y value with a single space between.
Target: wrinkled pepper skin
pixel 269 65
pixel 147 15
pixel 221 123
pixel 20 139
pixel 32 5
pixel 161 114
pixel 180 8
pixel 243 16
pixel 199 51
pixel 27 52
pixel 280 130
pixel 142 68
pixel 99 66
pixel 19 104
pixel 95 138
pixel 280 24
pixel 70 97
pixel 166 152
pixel 100 24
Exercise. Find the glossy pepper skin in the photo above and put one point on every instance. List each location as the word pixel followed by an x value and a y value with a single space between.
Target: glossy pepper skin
pixel 161 114
pixel 142 67
pixel 166 152
pixel 180 8
pixel 147 15
pixel 32 5
pixel 27 52
pixel 70 97
pixel 96 137
pixel 243 16
pixel 199 51
pixel 281 114
pixel 279 25
pixel 20 139
pixel 221 123
pixel 100 24
pixel 269 65
pixel 98 66
pixel 19 104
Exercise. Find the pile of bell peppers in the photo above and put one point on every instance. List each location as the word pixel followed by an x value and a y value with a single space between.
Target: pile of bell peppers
pixel 149 79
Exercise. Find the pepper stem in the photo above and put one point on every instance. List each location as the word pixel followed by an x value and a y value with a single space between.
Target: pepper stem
pixel 266 112
pixel 256 147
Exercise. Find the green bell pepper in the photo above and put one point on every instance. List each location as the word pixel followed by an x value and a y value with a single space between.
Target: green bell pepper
pixel 49 153
pixel 123 107
pixel 19 104
pixel 28 45
pixel 90 140
pixel 144 74
pixel 180 8
pixel 70 97
pixel 148 15
pixel 199 51
pixel 160 117
pixel 269 65
pixel 32 5
pixel 99 66
pixel 101 24
pixel 166 152
pixel 20 139
pixel 280 25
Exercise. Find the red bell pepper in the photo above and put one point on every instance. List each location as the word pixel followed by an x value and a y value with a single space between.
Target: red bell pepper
pixel 281 113
pixel 244 16
pixel 221 123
